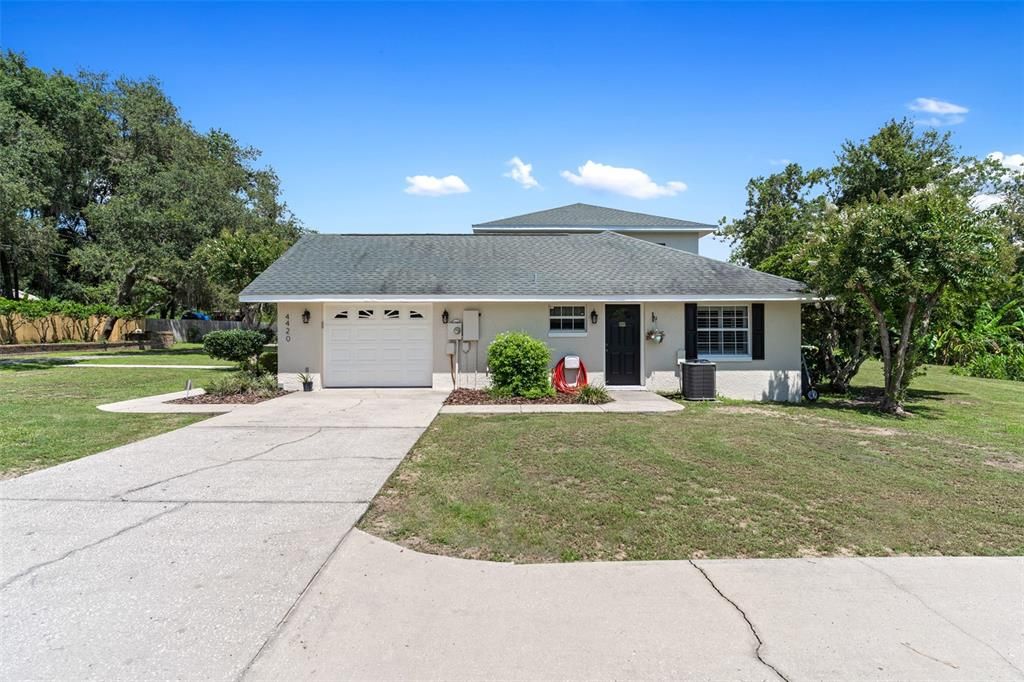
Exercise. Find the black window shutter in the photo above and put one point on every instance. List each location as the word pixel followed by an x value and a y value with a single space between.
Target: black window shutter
pixel 690 322
pixel 757 331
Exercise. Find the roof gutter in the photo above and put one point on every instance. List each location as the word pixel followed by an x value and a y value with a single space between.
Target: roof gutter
pixel 433 298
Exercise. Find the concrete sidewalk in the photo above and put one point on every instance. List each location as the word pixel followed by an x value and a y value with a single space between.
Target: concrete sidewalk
pixel 177 556
pixel 378 611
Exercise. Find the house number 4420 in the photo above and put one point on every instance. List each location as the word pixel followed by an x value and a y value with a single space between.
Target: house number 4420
pixel 287 327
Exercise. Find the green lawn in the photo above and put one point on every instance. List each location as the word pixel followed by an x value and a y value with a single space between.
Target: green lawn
pixel 156 357
pixel 721 480
pixel 119 350
pixel 48 413
pixel 179 354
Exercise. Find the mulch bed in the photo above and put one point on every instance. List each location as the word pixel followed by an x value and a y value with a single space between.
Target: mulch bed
pixel 237 399
pixel 469 396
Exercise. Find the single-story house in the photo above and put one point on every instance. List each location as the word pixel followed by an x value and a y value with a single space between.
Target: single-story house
pixel 626 292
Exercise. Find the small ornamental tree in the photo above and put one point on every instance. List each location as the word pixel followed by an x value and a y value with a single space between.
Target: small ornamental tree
pixel 40 315
pixel 237 345
pixel 898 256
pixel 519 365
pixel 10 320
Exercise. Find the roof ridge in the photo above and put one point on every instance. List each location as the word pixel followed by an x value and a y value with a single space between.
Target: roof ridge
pixel 640 219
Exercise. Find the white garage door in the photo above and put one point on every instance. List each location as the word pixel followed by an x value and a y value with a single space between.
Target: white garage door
pixel 377 345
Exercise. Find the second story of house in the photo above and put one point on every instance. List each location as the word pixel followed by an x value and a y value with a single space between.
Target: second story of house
pixel 582 218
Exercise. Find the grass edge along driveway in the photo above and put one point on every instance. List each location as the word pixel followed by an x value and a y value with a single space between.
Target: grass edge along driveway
pixel 725 480
pixel 48 413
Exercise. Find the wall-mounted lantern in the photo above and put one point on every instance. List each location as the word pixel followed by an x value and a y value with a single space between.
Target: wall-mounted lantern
pixel 305 316
pixel 444 317
pixel 593 316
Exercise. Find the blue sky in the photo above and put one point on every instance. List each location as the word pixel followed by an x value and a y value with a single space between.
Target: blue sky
pixel 348 100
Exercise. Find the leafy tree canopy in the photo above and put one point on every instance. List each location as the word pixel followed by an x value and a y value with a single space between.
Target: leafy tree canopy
pixel 106 193
pixel 889 236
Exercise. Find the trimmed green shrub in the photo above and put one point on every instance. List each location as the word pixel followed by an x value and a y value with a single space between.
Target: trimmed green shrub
pixel 237 345
pixel 268 361
pixel 519 365
pixel 264 385
pixel 593 394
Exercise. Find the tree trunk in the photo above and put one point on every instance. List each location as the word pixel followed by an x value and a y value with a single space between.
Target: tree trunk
pixel 896 386
pixel 889 402
pixel 14 278
pixel 124 293
pixel 7 275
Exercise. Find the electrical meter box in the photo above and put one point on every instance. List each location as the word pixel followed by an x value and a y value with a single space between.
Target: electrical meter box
pixel 471 325
pixel 455 330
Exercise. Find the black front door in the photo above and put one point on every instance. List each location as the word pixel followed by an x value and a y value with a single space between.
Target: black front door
pixel 622 345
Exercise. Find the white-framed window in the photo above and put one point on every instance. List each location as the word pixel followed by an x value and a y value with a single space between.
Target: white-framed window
pixel 723 331
pixel 567 320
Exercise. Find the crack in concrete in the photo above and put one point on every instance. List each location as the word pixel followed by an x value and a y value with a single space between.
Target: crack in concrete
pixel 750 624
pixel 294 605
pixel 32 569
pixel 927 606
pixel 937 660
pixel 218 465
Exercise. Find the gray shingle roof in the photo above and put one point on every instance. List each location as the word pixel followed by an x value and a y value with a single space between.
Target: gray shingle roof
pixel 526 266
pixel 586 215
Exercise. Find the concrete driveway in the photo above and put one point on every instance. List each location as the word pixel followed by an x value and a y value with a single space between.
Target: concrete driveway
pixel 179 555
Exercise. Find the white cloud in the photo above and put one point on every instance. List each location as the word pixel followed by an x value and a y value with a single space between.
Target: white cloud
pixel 942 113
pixel 430 186
pixel 981 202
pixel 779 162
pixel 1014 162
pixel 936 106
pixel 521 172
pixel 631 182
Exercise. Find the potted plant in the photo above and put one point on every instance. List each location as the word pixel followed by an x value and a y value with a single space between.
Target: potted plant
pixel 656 335
pixel 307 382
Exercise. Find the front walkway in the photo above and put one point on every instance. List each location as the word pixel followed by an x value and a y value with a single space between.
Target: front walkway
pixel 384 612
pixel 176 557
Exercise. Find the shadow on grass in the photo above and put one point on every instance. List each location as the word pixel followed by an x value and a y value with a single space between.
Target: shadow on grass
pixel 861 400
pixel 33 364
pixel 865 400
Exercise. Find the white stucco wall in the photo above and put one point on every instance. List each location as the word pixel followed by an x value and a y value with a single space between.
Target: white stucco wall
pixel 660 371
pixel 500 317
pixel 777 377
pixel 299 345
